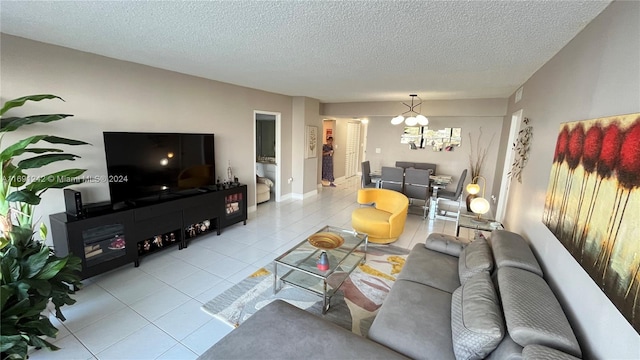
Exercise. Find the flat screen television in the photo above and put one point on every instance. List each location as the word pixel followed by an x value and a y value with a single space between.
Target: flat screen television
pixel 147 166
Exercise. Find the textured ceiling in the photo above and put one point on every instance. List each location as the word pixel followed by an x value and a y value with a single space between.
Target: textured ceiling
pixel 334 51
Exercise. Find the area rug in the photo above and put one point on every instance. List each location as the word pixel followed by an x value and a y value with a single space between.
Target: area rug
pixel 353 306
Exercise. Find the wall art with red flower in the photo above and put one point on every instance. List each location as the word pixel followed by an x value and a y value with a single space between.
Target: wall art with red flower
pixel 593 204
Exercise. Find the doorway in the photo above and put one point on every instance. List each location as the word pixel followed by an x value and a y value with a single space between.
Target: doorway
pixel 352 149
pixel 267 149
pixel 503 199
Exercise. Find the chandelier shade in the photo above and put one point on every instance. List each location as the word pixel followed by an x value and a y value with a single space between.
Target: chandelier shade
pixel 414 117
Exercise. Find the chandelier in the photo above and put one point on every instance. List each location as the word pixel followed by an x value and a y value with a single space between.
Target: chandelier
pixel 414 118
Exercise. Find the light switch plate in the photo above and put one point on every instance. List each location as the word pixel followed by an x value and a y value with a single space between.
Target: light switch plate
pixel 378 150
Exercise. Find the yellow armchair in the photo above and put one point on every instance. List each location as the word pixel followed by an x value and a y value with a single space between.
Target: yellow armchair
pixel 383 222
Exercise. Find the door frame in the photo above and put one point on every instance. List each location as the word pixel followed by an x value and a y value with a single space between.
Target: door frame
pixel 278 184
pixel 503 197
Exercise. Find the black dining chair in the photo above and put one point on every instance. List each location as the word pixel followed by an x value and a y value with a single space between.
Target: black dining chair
pixel 392 178
pixel 366 176
pixel 455 196
pixel 416 186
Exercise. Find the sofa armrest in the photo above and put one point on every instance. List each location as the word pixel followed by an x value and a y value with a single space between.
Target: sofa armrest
pixel 282 331
pixel 266 181
pixel 446 244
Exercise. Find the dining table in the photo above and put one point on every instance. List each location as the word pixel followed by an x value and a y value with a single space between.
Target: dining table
pixel 437 182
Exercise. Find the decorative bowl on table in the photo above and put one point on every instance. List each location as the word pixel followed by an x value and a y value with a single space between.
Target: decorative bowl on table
pixel 326 240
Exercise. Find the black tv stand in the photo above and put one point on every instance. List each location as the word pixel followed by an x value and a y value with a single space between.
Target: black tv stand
pixel 114 235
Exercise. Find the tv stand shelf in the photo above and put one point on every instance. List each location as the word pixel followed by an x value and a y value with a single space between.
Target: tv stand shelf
pixel 109 238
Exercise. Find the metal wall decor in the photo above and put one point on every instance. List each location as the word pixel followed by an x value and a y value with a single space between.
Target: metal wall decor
pixel 521 147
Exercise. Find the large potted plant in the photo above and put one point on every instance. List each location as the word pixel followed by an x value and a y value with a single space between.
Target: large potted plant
pixel 31 275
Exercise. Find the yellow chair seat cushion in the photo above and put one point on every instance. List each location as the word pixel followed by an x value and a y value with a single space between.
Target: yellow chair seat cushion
pixel 371 221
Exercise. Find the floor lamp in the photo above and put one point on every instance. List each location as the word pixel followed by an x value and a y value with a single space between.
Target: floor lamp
pixel 478 205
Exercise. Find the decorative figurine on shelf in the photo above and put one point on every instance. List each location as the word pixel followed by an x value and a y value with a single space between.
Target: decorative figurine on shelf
pixel 323 262
pixel 157 240
pixel 229 173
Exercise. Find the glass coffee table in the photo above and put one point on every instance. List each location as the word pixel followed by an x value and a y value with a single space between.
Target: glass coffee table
pixel 471 222
pixel 302 271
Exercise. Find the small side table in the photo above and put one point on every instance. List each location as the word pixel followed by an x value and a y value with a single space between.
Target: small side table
pixel 470 222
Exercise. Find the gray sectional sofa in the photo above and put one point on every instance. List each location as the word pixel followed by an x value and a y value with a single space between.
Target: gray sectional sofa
pixel 452 300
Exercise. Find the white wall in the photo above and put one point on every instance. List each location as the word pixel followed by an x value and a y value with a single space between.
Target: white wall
pixel 111 95
pixel 596 75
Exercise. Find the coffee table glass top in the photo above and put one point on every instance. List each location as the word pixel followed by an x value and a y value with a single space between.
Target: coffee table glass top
pixel 304 256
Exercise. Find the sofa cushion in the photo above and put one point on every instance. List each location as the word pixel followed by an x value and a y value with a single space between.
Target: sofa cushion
pixel 540 352
pixel 282 331
pixel 433 268
pixel 414 320
pixel 532 313
pixel 507 350
pixel 474 258
pixel 476 318
pixel 446 244
pixel 511 250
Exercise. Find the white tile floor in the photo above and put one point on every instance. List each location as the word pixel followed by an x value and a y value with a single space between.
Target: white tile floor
pixel 153 311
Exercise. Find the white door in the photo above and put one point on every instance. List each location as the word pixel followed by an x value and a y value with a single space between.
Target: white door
pixel 503 199
pixel 353 142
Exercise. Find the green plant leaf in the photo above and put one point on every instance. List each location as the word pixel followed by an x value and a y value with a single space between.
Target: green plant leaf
pixel 57 180
pixel 42 150
pixel 25 196
pixel 6 292
pixel 3 242
pixel 43 231
pixel 7 342
pixel 43 287
pixel 61 140
pixel 21 100
pixel 39 342
pixel 18 309
pixel 19 147
pixel 34 263
pixel 15 176
pixel 19 350
pixel 43 326
pixel 42 160
pixel 52 268
pixel 13 123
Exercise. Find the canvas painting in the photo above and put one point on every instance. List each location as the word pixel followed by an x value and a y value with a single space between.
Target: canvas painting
pixel 593 204
pixel 311 142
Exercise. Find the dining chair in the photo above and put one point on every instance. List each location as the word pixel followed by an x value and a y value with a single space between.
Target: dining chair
pixel 416 186
pixel 455 196
pixel 404 164
pixel 366 176
pixel 426 166
pixel 392 178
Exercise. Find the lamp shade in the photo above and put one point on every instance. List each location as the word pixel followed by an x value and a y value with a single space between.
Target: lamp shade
pixel 473 189
pixel 422 120
pixel 397 120
pixel 411 121
pixel 479 205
